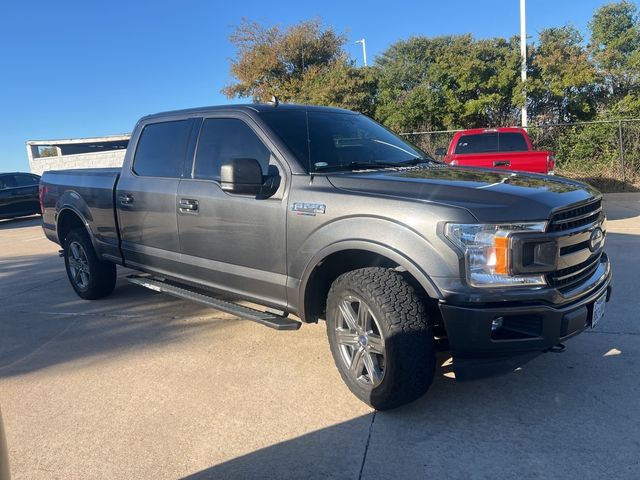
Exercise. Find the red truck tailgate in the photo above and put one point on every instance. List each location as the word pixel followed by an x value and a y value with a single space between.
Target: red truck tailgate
pixel 524 161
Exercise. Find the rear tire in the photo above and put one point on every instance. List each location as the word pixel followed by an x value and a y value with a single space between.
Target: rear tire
pixel 380 337
pixel 89 277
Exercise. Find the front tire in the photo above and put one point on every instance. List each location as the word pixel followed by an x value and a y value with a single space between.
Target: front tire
pixel 89 277
pixel 380 337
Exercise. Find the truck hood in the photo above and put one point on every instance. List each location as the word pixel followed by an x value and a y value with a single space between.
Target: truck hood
pixel 489 195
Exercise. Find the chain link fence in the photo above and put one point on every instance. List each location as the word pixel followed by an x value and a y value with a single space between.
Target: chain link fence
pixel 605 154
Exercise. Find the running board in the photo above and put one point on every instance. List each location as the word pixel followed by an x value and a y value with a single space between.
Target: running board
pixel 267 319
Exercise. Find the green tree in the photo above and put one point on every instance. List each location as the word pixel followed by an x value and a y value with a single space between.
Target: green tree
pixel 48 151
pixel 408 96
pixel 562 79
pixel 340 85
pixel 449 82
pixel 615 46
pixel 303 63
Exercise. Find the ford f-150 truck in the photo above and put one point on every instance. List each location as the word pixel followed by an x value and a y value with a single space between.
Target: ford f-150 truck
pixel 321 213
pixel 507 148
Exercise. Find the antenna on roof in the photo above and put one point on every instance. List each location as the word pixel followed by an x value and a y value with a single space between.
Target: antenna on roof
pixel 274 101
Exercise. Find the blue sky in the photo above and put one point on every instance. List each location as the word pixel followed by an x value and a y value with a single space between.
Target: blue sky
pixel 76 69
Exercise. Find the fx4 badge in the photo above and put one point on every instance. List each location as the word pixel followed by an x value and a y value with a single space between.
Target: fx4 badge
pixel 311 209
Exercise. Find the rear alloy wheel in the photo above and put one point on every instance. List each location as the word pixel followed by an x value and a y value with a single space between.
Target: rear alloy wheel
pixel 89 277
pixel 78 266
pixel 380 337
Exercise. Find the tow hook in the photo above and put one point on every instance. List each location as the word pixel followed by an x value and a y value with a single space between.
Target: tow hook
pixel 559 348
pixel 61 253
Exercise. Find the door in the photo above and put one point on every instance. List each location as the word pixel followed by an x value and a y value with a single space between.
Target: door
pixel 146 197
pixel 7 199
pixel 233 242
pixel 26 193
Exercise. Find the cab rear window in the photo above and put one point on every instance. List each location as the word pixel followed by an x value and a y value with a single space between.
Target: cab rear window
pixel 491 142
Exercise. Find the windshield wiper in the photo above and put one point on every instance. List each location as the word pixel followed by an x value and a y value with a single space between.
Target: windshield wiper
pixel 416 161
pixel 356 166
pixel 376 165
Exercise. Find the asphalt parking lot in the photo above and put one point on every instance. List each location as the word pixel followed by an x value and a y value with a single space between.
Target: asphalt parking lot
pixel 142 385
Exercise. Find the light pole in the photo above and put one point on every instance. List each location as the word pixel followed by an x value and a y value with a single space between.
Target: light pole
pixel 523 55
pixel 364 50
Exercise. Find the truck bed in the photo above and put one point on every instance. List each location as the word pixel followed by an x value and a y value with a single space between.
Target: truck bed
pixel 90 192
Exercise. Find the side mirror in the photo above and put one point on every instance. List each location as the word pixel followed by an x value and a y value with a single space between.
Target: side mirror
pixel 241 175
pixel 441 152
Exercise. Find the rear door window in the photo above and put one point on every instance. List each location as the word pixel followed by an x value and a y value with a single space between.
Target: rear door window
pixel 162 148
pixel 25 180
pixel 223 139
pixel 7 181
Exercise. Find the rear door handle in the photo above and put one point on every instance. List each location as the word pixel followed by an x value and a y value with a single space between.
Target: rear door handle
pixel 126 199
pixel 188 206
pixel 502 163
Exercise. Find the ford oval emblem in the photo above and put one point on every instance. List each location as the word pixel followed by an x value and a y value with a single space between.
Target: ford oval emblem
pixel 597 236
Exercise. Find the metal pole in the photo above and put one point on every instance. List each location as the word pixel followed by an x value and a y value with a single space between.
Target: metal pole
pixel 523 55
pixel 621 151
pixel 364 50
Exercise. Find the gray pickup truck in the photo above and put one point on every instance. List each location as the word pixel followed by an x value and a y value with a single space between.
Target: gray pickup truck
pixel 322 213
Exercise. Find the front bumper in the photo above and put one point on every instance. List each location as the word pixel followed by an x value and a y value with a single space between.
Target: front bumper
pixel 527 331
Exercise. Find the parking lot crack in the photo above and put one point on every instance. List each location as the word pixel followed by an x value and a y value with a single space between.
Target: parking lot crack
pixel 40 347
pixel 614 333
pixel 26 290
pixel 366 447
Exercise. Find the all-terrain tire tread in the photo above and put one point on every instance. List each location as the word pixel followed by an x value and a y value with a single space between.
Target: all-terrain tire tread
pixel 405 317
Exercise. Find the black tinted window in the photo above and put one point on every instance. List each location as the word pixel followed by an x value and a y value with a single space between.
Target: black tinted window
pixel 222 139
pixel 25 180
pixel 481 143
pixel 7 181
pixel 161 149
pixel 492 142
pixel 513 142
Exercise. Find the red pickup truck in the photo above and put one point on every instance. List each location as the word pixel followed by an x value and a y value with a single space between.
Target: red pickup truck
pixel 508 148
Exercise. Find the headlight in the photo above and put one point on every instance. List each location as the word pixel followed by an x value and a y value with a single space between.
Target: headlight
pixel 487 251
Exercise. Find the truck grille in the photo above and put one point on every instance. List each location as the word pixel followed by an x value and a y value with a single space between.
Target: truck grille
pixel 577 260
pixel 566 278
pixel 576 217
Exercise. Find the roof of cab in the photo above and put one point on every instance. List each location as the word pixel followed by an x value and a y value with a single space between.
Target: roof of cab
pixel 249 107
pixel 475 131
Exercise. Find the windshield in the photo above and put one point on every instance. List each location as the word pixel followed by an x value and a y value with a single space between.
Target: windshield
pixel 332 141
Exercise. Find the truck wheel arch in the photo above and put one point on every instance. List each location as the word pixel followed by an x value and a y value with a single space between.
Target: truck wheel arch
pixel 69 219
pixel 341 257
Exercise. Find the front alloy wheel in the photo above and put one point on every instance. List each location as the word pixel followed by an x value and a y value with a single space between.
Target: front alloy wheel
pixel 360 341
pixel 380 337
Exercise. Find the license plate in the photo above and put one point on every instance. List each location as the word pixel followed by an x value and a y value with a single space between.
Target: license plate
pixel 598 310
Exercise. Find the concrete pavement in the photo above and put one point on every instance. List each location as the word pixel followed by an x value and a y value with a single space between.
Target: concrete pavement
pixel 141 385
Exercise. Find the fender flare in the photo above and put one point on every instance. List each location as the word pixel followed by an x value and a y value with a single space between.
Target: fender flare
pixel 73 209
pixel 421 276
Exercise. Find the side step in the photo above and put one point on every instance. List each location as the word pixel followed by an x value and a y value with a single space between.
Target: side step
pixel 265 318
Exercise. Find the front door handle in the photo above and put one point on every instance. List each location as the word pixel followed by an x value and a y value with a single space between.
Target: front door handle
pixel 502 163
pixel 188 206
pixel 126 199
